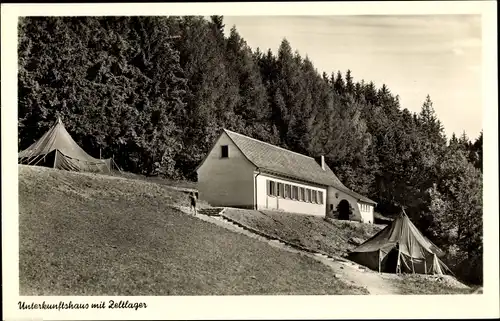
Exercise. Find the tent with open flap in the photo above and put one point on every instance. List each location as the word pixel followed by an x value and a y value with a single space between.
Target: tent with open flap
pixel 57 149
pixel 400 248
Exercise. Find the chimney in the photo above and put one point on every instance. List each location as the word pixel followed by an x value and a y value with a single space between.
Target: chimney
pixel 323 162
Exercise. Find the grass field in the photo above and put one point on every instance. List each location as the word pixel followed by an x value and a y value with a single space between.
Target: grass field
pixel 419 284
pixel 313 232
pixel 87 234
pixel 332 237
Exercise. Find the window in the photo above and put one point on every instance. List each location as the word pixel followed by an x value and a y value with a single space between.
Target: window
pixel 224 151
pixel 288 191
pixel 295 193
pixel 336 195
pixel 271 188
pixel 281 190
pixel 314 198
pixel 308 195
pixel 302 196
pixel 331 207
pixel 320 197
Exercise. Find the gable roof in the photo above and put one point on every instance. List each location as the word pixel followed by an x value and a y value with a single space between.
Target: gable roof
pixel 274 159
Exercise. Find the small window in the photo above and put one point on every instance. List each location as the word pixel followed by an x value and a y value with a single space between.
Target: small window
pixel 314 198
pixel 320 197
pixel 281 190
pixel 302 196
pixel 308 195
pixel 224 151
pixel 295 193
pixel 271 188
pixel 336 195
pixel 288 191
pixel 331 207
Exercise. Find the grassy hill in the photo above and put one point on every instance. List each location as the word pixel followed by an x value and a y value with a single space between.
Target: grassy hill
pixel 309 231
pixel 333 237
pixel 88 234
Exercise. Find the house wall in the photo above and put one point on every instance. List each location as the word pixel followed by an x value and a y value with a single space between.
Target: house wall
pixel 366 211
pixel 361 213
pixel 226 181
pixel 266 202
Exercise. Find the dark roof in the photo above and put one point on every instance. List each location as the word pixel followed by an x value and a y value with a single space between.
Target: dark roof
pixel 274 159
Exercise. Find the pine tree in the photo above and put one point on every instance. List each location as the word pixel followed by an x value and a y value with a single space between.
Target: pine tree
pixel 339 84
pixel 349 84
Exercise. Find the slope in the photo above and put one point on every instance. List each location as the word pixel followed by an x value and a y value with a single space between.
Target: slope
pixel 334 238
pixel 90 234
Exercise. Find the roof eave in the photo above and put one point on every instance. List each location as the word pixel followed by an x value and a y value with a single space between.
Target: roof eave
pixel 269 171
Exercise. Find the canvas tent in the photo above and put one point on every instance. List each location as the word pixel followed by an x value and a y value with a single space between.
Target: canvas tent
pixel 57 149
pixel 400 248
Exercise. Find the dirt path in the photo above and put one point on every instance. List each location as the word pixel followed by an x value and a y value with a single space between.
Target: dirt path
pixel 375 283
pixel 348 272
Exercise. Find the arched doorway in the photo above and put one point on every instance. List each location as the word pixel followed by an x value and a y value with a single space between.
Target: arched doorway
pixel 344 209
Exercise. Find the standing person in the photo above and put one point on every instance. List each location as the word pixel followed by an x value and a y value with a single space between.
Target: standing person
pixel 193 202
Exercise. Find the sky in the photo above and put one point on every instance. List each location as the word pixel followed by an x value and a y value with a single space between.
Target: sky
pixel 414 56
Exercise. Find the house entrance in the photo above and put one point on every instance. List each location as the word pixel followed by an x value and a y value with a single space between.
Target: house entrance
pixel 344 209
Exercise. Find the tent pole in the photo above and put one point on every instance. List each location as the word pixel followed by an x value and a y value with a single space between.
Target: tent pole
pixel 412 266
pixel 425 265
pixel 378 260
pixel 113 159
pixel 398 266
pixel 55 159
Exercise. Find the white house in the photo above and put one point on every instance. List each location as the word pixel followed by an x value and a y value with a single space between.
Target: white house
pixel 243 172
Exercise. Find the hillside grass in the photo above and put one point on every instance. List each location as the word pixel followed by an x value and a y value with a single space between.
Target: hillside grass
pixel 313 232
pixel 156 179
pixel 332 237
pixel 89 234
pixel 422 285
